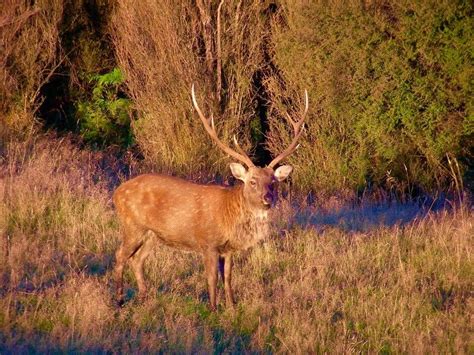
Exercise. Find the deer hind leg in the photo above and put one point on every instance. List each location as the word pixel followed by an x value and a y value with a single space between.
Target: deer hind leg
pixel 225 269
pixel 137 261
pixel 131 243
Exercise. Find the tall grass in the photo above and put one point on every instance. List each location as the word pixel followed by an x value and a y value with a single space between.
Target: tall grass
pixel 56 216
pixel 320 284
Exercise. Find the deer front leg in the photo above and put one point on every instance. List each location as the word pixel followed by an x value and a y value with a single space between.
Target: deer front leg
pixel 225 268
pixel 210 263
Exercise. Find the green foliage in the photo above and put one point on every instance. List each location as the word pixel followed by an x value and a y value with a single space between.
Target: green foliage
pixel 105 117
pixel 256 130
pixel 391 88
pixel 85 42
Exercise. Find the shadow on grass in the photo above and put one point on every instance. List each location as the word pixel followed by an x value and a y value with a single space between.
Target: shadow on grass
pixel 368 216
pixel 59 268
pixel 97 264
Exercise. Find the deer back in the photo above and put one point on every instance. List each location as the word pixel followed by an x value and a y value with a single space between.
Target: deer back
pixel 181 213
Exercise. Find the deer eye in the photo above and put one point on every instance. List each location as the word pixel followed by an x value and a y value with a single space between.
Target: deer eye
pixel 253 183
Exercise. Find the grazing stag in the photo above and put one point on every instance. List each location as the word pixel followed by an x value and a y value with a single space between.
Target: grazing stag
pixel 213 220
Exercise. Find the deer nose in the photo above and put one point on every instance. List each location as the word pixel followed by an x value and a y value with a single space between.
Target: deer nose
pixel 268 198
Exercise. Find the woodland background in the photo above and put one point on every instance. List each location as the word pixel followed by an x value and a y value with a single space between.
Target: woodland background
pixel 390 84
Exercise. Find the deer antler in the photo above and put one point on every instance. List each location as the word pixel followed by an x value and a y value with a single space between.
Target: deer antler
pixel 209 126
pixel 298 127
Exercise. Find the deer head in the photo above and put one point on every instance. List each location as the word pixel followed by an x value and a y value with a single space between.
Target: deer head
pixel 260 184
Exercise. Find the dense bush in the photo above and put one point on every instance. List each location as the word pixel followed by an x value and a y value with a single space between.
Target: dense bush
pixel 390 83
pixel 105 117
pixel 29 55
pixel 391 86
pixel 163 47
pixel 86 43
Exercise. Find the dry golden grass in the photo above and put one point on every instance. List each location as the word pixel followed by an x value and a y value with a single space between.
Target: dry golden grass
pixel 329 280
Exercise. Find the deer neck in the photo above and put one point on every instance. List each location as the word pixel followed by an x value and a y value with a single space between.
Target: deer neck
pixel 246 224
pixel 239 206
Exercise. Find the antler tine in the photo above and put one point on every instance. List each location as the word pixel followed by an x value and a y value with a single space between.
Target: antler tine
pixel 296 125
pixel 212 122
pixel 209 126
pixel 298 128
pixel 239 148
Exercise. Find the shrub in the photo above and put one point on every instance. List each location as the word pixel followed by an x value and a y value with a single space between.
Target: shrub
pixel 391 91
pixel 105 118
pixel 30 55
pixel 163 47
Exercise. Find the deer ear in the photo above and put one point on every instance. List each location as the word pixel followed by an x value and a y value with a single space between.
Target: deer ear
pixel 282 172
pixel 238 171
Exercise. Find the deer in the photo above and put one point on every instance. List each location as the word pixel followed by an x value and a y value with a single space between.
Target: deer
pixel 212 220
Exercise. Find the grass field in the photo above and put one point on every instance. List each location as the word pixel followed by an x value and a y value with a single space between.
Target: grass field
pixel 372 278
